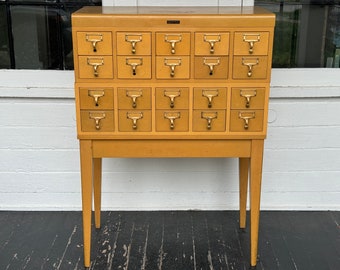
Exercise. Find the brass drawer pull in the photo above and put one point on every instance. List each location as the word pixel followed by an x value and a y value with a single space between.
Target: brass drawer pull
pixel 133 39
pixel 172 116
pixel 211 63
pixel 172 63
pixel 97 117
pixel 246 116
pixel 96 94
pixel 134 116
pixel 248 94
pixel 95 63
pixel 250 63
pixel 173 39
pixel 172 94
pixel 251 39
pixel 212 39
pixel 210 94
pixel 134 63
pixel 134 94
pixel 94 39
pixel 209 116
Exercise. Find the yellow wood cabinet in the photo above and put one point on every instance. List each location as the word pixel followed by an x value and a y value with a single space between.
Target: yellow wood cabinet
pixel 172 82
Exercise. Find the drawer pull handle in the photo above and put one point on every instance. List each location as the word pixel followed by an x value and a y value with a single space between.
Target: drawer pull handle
pixel 97 117
pixel 210 94
pixel 96 94
pixel 134 63
pixel 246 116
pixel 134 94
pixel 212 39
pixel 133 39
pixel 172 116
pixel 134 116
pixel 248 94
pixel 94 39
pixel 172 95
pixel 172 63
pixel 209 116
pixel 250 63
pixel 95 63
pixel 211 63
pixel 251 39
pixel 173 39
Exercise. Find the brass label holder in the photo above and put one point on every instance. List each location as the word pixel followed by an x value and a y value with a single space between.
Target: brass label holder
pixel 94 38
pixel 173 39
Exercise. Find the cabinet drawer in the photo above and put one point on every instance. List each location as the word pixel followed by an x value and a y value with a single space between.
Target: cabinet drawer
pixel 97 120
pixel 210 98
pixel 211 67
pixel 94 43
pixel 211 43
pixel 209 120
pixel 250 67
pixel 134 43
pixel 174 120
pixel 134 120
pixel 247 98
pixel 246 120
pixel 172 67
pixel 130 67
pixel 134 98
pixel 96 98
pixel 172 43
pixel 172 98
pixel 251 43
pixel 95 67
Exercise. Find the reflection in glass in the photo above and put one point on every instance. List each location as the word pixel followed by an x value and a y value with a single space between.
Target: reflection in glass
pixel 4 43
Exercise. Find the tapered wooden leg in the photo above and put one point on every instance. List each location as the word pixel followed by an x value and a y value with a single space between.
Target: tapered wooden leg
pixel 97 188
pixel 255 196
pixel 86 186
pixel 243 175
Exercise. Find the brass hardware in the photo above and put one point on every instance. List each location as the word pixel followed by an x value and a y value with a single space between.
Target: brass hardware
pixel 209 116
pixel 211 62
pixel 95 63
pixel 248 94
pixel 210 94
pixel 134 63
pixel 212 39
pixel 134 116
pixel 251 39
pixel 172 94
pixel 94 39
pixel 172 63
pixel 97 116
pixel 250 62
pixel 134 94
pixel 133 39
pixel 246 116
pixel 96 94
pixel 173 39
pixel 172 116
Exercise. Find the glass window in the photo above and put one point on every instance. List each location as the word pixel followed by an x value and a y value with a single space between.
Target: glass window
pixel 5 61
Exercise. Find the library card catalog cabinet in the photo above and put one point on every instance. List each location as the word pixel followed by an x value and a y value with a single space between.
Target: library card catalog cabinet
pixel 172 82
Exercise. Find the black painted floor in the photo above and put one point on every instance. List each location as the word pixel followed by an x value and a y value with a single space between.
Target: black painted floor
pixel 181 240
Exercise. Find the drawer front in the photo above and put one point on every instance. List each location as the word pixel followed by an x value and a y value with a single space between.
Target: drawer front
pixel 247 98
pixel 246 120
pixel 134 43
pixel 97 121
pixel 95 67
pixel 96 98
pixel 130 67
pixel 172 98
pixel 251 43
pixel 134 120
pixel 211 44
pixel 211 67
pixel 134 98
pixel 210 98
pixel 250 67
pixel 174 120
pixel 94 43
pixel 172 67
pixel 172 43
pixel 209 120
